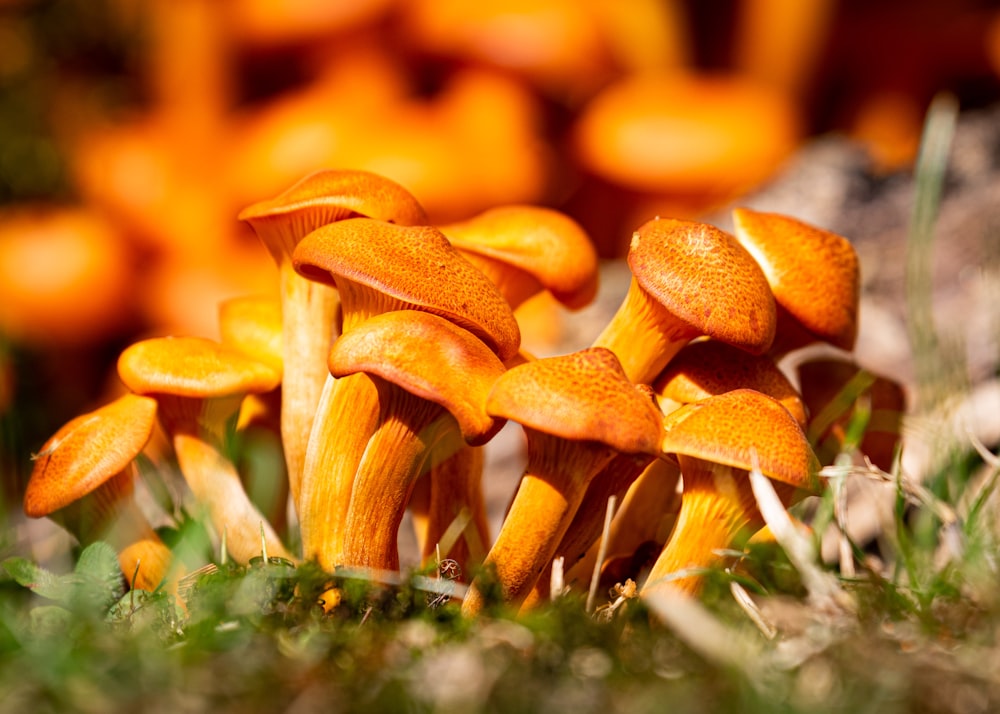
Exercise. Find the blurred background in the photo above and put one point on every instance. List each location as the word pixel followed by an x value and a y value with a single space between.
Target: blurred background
pixel 133 131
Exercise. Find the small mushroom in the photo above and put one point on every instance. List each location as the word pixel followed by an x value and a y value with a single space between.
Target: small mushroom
pixel 432 378
pixel 717 441
pixel 198 384
pixel 308 307
pixel 688 279
pixel 813 273
pixel 82 479
pixel 578 411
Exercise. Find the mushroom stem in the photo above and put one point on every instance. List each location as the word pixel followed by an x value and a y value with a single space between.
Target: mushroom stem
pixel 717 505
pixel 642 337
pixel 308 314
pixel 408 427
pixel 216 484
pixel 345 419
pixel 547 498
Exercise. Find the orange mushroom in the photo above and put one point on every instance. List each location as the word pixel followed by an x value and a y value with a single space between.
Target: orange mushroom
pixel 378 267
pixel 717 441
pixel 578 411
pixel 432 378
pixel 688 279
pixel 82 479
pixel 813 273
pixel 308 307
pixel 198 384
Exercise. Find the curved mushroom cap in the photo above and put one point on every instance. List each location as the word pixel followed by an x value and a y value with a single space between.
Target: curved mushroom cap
pixel 429 357
pixel 88 451
pixel 814 273
pixel 730 428
pixel 703 276
pixel 192 367
pixel 544 243
pixel 709 367
pixel 252 324
pixel 415 265
pixel 327 196
pixel 582 396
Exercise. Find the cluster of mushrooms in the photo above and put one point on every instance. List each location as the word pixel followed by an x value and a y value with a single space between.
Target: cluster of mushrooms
pixel 393 356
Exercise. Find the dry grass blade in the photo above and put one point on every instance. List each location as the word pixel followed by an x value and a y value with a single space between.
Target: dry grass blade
pixel 602 552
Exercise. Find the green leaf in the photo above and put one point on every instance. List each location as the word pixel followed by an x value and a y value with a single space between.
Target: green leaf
pixel 98 581
pixel 31 576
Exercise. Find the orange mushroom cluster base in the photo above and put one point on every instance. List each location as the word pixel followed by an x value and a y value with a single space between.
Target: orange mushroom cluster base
pixel 393 355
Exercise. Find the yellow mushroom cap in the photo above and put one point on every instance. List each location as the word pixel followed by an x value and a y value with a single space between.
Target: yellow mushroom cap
pixel 192 367
pixel 88 451
pixel 544 243
pixel 430 357
pixel 704 277
pixel 415 265
pixel 814 273
pixel 731 428
pixel 582 396
pixel 709 367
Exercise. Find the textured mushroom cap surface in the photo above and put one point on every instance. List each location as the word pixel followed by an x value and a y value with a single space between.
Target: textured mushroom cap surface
pixel 416 265
pixel 583 396
pixel 87 451
pixel 814 273
pixel 252 324
pixel 729 428
pixel 706 278
pixel 193 367
pixel 545 243
pixel 429 357
pixel 709 367
pixel 343 192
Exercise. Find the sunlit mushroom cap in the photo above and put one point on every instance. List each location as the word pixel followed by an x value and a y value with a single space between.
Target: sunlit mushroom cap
pixel 738 427
pixel 703 276
pixel 193 367
pixel 429 357
pixel 88 451
pixel 814 273
pixel 583 396
pixel 544 243
pixel 415 265
pixel 326 196
pixel 708 367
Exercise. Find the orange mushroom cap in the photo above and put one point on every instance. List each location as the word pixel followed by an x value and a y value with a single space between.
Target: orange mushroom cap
pixel 709 367
pixel 192 367
pixel 429 357
pixel 547 246
pixel 814 275
pixel 414 267
pixel 741 429
pixel 87 452
pixel 583 396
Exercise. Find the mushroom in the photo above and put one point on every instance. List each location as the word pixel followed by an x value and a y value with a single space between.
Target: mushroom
pixel 82 479
pixel 813 273
pixel 523 250
pixel 198 384
pixel 378 267
pixel 432 378
pixel 688 279
pixel 717 441
pixel 578 411
pixel 824 381
pixel 308 307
